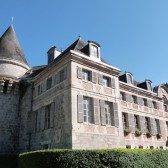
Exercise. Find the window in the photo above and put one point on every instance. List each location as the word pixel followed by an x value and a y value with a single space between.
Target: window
pixel 45 146
pixel 87 110
pixel 129 79
pixel 94 51
pixel 106 81
pixel 144 102
pixel 167 126
pixel 165 104
pixel 149 85
pixel 36 123
pixel 122 96
pixel 39 89
pixel 47 116
pixel 107 109
pixel 61 75
pixel 140 147
pixel 137 122
pixel 125 120
pixel 86 75
pixel 128 146
pixel 49 83
pixel 147 124
pixel 158 126
pixel 134 99
pixel 5 87
pixel 154 104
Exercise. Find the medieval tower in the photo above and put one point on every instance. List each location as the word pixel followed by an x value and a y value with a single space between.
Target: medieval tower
pixel 13 65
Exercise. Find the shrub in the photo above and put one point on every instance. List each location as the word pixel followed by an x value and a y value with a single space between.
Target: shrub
pixel 127 131
pixel 8 161
pixel 114 158
pixel 138 132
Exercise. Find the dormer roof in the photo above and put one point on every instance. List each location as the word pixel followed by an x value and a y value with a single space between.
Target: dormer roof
pixel 10 48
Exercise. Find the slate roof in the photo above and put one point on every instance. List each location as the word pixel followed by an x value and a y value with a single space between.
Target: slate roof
pixel 10 47
pixel 34 71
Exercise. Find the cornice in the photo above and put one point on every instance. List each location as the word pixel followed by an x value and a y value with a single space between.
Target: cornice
pixel 137 90
pixel 82 59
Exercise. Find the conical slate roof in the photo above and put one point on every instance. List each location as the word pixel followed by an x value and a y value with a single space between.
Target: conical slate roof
pixel 10 47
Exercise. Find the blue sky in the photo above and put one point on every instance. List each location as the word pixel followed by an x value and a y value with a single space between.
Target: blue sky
pixel 133 34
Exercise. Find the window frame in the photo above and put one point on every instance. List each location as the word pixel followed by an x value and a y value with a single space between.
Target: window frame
pixel 123 96
pixel 134 99
pixel 125 120
pixel 86 75
pixel 129 78
pixel 145 102
pixel 154 104
pixel 106 81
pixel 49 83
pixel 47 116
pixel 137 122
pixel 107 110
pixel 87 110
pixel 147 124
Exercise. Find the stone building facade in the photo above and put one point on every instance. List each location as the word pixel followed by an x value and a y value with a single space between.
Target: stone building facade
pixel 76 101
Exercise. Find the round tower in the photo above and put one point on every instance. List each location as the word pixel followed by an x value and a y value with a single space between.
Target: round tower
pixel 13 65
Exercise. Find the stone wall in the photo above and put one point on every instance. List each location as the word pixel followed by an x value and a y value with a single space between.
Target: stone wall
pixel 94 136
pixel 34 134
pixel 9 123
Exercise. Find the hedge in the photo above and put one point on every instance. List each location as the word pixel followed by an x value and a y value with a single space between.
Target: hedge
pixel 8 161
pixel 115 158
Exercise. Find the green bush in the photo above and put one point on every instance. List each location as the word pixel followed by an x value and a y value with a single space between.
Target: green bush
pixel 8 161
pixel 114 158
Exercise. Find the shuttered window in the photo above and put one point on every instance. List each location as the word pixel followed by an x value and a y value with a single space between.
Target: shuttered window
pixel 122 96
pixel 107 109
pixel 47 116
pixel 106 81
pixel 134 99
pixel 49 83
pixel 158 126
pixel 154 104
pixel 86 75
pixel 147 124
pixel 144 102
pixel 125 120
pixel 87 110
pixel 137 122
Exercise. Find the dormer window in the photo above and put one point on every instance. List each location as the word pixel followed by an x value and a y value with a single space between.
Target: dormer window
pixel 94 49
pixel 129 78
pixel 149 85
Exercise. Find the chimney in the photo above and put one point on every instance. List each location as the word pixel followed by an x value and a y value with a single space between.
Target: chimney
pixel 52 54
